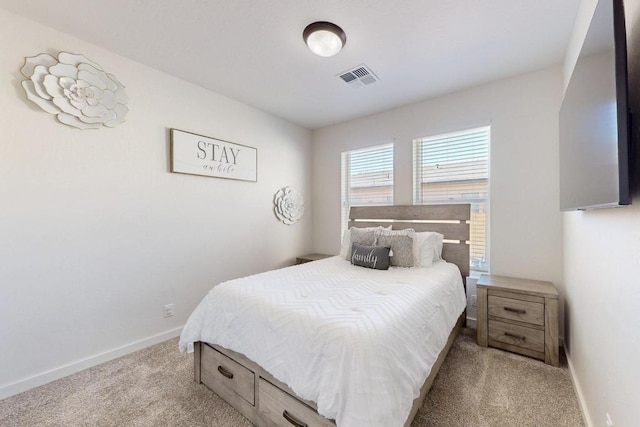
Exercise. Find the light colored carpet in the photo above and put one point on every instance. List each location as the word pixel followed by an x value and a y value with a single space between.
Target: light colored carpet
pixel 479 386
pixel 155 387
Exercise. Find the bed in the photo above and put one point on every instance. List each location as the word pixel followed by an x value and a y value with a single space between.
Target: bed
pixel 329 338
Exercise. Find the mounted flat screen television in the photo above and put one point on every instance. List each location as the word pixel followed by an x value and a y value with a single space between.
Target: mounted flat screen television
pixel 594 118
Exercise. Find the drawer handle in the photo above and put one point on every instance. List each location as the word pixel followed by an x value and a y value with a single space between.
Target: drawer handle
pixel 515 310
pixel 515 337
pixel 225 372
pixel 293 420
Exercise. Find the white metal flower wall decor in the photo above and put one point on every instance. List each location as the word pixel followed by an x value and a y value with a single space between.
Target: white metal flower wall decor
pixel 289 205
pixel 75 89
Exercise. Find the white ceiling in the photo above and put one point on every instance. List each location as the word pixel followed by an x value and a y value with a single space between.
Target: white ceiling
pixel 252 50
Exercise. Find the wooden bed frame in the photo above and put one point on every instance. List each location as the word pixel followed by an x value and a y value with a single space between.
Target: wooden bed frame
pixel 266 401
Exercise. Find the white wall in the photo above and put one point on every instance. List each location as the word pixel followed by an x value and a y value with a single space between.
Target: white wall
pixel 526 229
pixel 96 235
pixel 602 276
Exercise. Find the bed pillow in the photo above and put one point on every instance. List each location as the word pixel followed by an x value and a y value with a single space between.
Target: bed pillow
pixel 376 257
pixel 427 248
pixel 345 245
pixel 401 243
pixel 437 254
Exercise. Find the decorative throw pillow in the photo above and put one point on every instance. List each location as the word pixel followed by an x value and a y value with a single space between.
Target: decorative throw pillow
pixel 376 257
pixel 401 243
pixel 360 235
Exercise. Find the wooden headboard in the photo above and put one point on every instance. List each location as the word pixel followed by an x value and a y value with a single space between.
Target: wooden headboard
pixel 450 220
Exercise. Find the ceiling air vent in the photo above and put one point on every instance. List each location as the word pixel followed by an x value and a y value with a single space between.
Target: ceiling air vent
pixel 358 77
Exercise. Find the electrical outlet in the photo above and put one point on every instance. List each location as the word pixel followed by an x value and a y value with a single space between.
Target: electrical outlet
pixel 168 310
pixel 609 422
pixel 474 300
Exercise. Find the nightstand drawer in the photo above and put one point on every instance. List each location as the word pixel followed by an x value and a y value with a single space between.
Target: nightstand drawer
pixel 514 309
pixel 519 336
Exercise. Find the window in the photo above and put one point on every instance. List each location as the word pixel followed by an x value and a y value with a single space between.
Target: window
pixel 367 178
pixel 454 168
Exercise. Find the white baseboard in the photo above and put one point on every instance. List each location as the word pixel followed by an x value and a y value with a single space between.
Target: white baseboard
pixel 71 368
pixel 581 402
pixel 472 323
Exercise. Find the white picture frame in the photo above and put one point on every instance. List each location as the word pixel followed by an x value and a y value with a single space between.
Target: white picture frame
pixel 194 154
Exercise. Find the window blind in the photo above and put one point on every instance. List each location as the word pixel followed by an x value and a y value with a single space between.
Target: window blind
pixel 454 168
pixel 367 178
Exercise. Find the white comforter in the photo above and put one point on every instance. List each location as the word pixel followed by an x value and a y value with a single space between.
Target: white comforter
pixel 356 341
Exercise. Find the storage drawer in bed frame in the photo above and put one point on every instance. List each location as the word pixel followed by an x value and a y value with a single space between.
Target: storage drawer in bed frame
pixel 227 374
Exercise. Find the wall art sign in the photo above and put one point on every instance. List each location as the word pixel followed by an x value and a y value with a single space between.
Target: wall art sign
pixel 201 155
pixel 75 89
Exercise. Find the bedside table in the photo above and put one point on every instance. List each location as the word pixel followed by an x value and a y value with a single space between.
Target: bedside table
pixel 518 315
pixel 310 257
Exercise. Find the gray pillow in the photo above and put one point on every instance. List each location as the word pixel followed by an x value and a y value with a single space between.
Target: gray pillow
pixel 363 236
pixel 376 257
pixel 402 247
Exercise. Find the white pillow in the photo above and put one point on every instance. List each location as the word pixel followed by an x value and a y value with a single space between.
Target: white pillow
pixel 428 247
pixel 345 244
pixel 437 254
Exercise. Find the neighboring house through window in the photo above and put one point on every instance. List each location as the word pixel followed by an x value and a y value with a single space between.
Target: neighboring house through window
pixel 454 168
pixel 367 178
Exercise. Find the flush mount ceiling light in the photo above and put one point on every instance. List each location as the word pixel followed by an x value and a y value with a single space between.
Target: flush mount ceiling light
pixel 324 38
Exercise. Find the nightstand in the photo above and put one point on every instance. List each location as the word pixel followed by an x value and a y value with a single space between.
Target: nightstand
pixel 311 257
pixel 518 315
